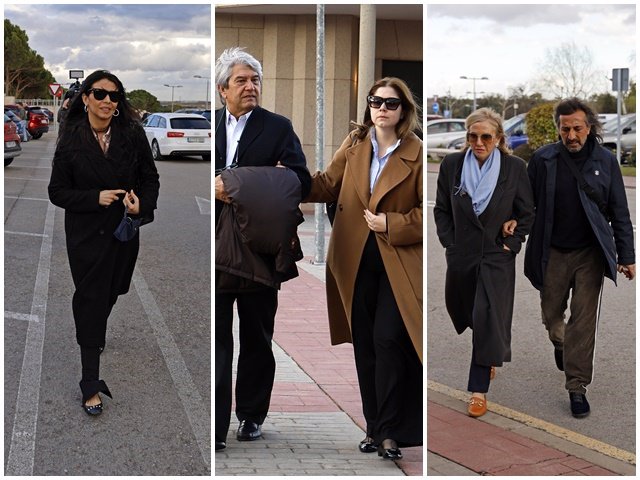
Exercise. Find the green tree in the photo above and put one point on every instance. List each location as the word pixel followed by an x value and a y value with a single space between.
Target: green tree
pixel 144 101
pixel 24 72
pixel 630 98
pixel 541 128
pixel 604 103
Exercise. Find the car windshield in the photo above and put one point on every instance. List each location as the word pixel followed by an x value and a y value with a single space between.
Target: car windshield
pixel 188 123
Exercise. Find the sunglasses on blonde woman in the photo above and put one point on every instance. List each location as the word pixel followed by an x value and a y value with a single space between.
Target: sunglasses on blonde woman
pixel 100 94
pixel 485 137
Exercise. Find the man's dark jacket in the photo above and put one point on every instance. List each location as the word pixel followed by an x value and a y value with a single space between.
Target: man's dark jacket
pixel 601 171
pixel 267 138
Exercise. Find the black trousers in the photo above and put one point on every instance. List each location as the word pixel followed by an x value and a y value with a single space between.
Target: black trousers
pixel 388 367
pixel 479 377
pixel 256 364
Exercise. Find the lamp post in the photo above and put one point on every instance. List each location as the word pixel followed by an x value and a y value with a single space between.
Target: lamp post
pixel 464 77
pixel 172 87
pixel 206 103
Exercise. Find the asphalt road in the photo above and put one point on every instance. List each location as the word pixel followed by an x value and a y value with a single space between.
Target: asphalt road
pixel 531 383
pixel 157 361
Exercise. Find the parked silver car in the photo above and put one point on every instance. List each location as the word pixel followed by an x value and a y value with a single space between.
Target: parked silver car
pixel 627 139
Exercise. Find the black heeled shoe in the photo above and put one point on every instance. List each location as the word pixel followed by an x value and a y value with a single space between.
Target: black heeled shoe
pixel 93 410
pixel 389 450
pixel 367 445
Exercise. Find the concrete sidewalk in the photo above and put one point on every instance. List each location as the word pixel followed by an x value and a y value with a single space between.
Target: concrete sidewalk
pixel 315 420
pixel 504 443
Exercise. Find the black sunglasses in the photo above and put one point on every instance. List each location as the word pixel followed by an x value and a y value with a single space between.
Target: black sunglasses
pixel 376 102
pixel 101 94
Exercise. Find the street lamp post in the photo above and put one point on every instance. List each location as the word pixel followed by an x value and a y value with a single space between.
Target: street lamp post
pixel 206 103
pixel 464 77
pixel 172 87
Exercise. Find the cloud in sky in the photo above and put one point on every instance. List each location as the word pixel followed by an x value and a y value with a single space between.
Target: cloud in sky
pixel 508 43
pixel 146 46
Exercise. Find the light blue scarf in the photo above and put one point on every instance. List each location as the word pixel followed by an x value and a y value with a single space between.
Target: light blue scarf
pixel 478 182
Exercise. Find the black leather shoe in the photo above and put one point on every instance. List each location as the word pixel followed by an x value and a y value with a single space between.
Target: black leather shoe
pixel 579 405
pixel 220 445
pixel 558 354
pixel 248 431
pixel 367 445
pixel 389 449
pixel 92 410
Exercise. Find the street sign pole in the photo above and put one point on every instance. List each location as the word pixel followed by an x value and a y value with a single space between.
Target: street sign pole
pixel 620 83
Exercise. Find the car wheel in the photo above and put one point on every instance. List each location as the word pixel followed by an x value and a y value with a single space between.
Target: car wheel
pixel 7 161
pixel 206 158
pixel 155 151
pixel 36 136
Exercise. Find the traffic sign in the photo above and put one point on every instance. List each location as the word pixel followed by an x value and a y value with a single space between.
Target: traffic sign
pixel 54 88
pixel 435 107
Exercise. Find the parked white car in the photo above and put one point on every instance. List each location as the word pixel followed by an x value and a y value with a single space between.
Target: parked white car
pixel 178 134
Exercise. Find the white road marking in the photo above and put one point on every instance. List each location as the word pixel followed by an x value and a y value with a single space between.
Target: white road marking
pixel 191 400
pixel 9 232
pixel 204 205
pixel 26 198
pixel 23 437
pixel 21 316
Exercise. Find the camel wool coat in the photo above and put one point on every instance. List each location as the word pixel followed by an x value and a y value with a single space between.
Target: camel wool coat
pixel 398 194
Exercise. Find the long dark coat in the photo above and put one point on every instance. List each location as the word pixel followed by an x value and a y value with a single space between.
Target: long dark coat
pixel 480 279
pixel 398 193
pixel 101 265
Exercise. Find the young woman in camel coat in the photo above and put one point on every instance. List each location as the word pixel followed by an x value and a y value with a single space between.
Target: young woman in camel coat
pixel 374 263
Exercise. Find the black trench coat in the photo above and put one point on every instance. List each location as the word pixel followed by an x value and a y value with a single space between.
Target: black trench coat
pixel 480 279
pixel 101 265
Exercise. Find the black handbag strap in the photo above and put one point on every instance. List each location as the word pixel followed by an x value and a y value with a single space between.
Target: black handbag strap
pixel 588 189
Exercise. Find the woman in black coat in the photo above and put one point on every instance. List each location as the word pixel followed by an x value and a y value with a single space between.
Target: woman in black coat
pixel 101 166
pixel 480 191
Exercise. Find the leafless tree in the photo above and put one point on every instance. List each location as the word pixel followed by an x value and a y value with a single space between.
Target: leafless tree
pixel 568 71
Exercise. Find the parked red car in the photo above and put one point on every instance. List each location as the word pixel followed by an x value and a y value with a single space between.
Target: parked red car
pixel 12 146
pixel 37 120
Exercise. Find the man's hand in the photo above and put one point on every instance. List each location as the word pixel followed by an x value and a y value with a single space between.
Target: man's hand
pixel 107 197
pixel 377 223
pixel 221 193
pixel 628 271
pixel 509 227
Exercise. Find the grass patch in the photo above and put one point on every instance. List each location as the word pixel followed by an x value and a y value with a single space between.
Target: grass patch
pixel 628 171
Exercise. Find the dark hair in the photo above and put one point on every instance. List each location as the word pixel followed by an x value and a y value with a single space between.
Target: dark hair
pixel 409 119
pixel 572 105
pixel 76 123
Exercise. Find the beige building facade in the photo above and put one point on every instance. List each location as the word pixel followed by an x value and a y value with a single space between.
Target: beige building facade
pixel 283 39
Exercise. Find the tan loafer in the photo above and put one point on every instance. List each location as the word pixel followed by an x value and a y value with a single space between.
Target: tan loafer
pixel 477 407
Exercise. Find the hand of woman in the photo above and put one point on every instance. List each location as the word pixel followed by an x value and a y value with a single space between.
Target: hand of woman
pixel 132 203
pixel 509 227
pixel 377 223
pixel 107 197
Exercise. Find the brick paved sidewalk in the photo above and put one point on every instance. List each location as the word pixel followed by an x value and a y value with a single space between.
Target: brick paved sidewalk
pixel 315 421
pixel 496 445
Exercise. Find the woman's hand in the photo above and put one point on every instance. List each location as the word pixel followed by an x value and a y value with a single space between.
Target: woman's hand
pixel 107 197
pixel 509 227
pixel 377 223
pixel 132 203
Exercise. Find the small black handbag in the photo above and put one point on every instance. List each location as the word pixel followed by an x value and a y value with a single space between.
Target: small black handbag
pixel 128 228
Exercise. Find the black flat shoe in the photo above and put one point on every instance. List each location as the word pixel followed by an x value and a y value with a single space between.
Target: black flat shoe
pixel 220 445
pixel 389 450
pixel 367 445
pixel 92 410
pixel 248 431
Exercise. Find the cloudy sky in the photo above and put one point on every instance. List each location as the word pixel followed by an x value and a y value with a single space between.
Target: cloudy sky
pixel 507 43
pixel 146 46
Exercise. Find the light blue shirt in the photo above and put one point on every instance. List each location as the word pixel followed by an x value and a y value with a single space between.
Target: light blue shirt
pixel 378 163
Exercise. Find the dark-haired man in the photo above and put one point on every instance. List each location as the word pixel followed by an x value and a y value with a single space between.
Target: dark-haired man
pixel 582 233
